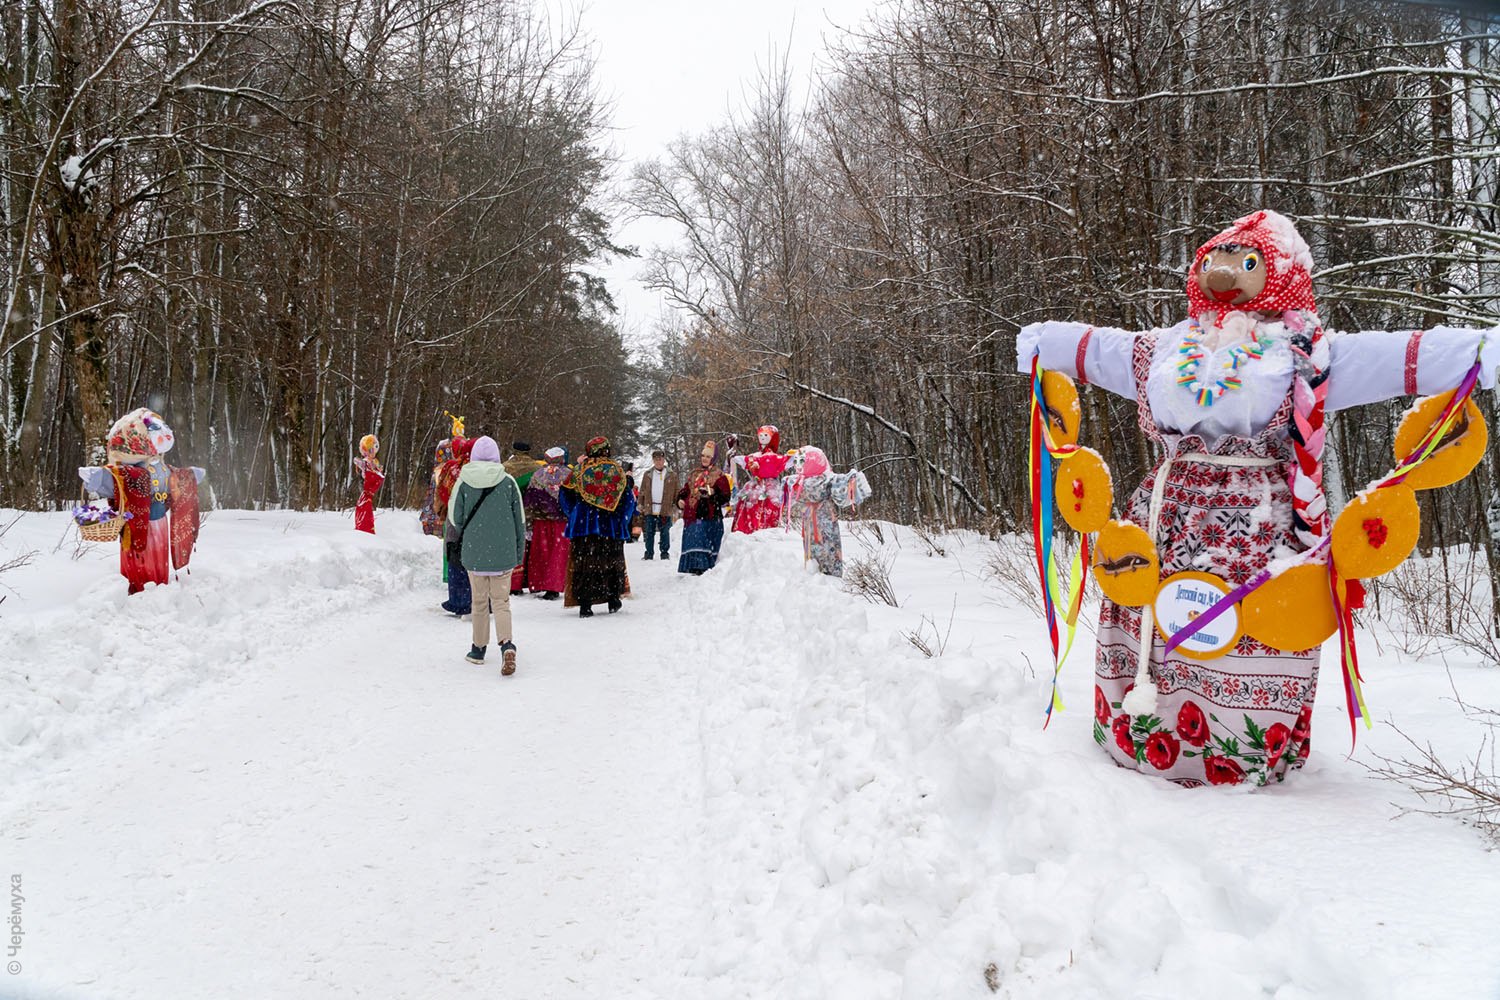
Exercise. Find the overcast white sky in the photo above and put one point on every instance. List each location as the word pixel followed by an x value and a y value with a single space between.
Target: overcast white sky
pixel 677 66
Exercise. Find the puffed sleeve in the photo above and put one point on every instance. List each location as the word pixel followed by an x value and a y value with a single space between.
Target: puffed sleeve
pixel 1100 355
pixel 849 489
pixel 199 473
pixel 97 480
pixel 1377 365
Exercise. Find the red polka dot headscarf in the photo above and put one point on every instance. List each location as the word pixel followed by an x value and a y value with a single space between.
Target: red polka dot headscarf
pixel 1288 267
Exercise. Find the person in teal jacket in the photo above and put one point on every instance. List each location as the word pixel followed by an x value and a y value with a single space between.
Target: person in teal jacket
pixel 486 511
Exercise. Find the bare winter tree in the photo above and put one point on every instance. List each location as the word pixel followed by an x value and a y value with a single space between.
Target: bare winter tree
pixel 285 224
pixel 968 166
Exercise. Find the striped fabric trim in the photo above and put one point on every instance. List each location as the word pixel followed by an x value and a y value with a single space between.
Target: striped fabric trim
pixel 1413 344
pixel 1083 349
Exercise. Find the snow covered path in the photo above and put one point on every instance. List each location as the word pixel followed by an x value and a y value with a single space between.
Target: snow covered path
pixel 280 779
pixel 369 813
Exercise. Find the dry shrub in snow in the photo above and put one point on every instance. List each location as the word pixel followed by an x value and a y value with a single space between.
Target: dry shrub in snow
pixel 1012 566
pixel 937 645
pixel 13 558
pixel 932 538
pixel 870 577
pixel 1468 789
pixel 1438 603
pixel 870 534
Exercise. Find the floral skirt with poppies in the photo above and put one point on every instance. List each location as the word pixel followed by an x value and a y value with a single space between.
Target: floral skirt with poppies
pixel 1244 717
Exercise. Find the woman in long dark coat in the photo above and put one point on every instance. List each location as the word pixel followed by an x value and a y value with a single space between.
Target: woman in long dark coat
pixel 599 501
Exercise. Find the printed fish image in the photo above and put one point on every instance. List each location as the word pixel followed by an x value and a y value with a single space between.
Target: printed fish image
pixel 1128 563
pixel 1455 433
pixel 1055 417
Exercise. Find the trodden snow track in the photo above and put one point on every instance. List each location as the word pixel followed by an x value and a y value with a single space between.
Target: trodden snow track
pixel 363 813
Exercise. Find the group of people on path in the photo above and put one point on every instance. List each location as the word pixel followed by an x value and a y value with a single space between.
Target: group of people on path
pixel 560 530
pixel 555 529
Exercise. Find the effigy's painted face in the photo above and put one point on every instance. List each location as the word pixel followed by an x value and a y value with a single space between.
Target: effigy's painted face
pixel 1231 274
pixel 764 437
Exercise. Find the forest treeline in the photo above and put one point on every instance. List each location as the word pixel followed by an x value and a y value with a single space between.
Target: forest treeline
pixel 287 223
pixel 859 262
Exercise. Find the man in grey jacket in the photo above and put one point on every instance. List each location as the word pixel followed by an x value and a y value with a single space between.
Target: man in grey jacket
pixel 486 511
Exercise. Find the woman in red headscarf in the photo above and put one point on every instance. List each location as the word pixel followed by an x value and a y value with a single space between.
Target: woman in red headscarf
pixel 758 502
pixel 1236 395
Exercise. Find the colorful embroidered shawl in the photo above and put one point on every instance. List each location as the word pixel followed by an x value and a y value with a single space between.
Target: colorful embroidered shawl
pixel 550 478
pixel 133 497
pixel 185 518
pixel 600 482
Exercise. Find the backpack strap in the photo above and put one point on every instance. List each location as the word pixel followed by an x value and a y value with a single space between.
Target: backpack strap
pixel 484 494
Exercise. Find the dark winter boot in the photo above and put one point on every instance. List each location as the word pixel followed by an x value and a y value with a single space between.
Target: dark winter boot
pixel 614 605
pixel 551 595
pixel 476 654
pixel 507 658
pixel 585 611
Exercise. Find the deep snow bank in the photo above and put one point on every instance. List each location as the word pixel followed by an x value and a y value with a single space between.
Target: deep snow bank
pixel 82 660
pixel 880 824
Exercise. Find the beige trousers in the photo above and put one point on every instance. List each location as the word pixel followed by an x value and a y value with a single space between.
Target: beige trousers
pixel 491 594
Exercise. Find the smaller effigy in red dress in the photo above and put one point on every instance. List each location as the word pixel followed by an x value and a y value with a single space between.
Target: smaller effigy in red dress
pixel 372 477
pixel 160 501
pixel 758 501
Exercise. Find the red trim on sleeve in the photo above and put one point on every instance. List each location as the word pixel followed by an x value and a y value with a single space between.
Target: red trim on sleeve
pixel 1083 349
pixel 1412 345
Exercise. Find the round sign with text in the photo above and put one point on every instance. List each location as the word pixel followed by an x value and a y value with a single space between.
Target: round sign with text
pixel 1184 597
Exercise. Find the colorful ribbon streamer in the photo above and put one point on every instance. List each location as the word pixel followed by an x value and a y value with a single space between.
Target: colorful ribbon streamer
pixel 1044 450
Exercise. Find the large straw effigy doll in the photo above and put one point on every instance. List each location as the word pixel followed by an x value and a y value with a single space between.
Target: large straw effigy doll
pixel 1224 577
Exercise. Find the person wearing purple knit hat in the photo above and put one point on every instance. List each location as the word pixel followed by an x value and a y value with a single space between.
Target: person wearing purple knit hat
pixel 488 516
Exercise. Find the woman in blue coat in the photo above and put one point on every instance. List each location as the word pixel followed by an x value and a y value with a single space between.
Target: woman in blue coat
pixel 598 499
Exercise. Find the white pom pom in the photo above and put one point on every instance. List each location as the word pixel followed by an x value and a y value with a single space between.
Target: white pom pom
pixel 1141 700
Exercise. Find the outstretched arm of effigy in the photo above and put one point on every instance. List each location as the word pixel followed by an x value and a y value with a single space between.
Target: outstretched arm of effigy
pixel 1100 355
pixel 1377 365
